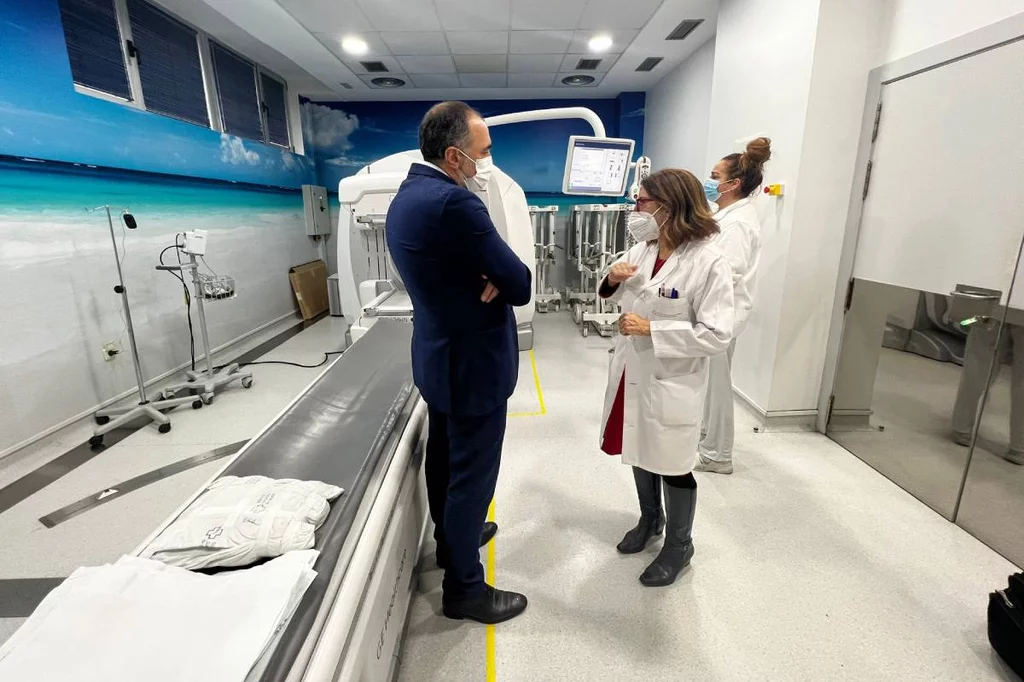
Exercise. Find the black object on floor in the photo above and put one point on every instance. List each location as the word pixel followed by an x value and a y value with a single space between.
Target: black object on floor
pixel 102 497
pixel 1006 623
pixel 19 597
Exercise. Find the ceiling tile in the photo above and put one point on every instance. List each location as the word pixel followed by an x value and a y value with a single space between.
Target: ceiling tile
pixel 607 62
pixel 478 42
pixel 427 64
pixel 415 42
pixel 616 14
pixel 483 80
pixel 598 77
pixel 401 15
pixel 530 80
pixel 620 40
pixel 537 14
pixel 377 48
pixel 357 67
pixel 481 63
pixel 534 63
pixel 328 16
pixel 540 42
pixel 369 80
pixel 435 80
pixel 478 15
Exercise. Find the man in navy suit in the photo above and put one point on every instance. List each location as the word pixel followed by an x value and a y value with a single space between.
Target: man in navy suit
pixel 463 280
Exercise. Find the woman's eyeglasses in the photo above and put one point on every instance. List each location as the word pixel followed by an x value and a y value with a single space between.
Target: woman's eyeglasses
pixel 642 201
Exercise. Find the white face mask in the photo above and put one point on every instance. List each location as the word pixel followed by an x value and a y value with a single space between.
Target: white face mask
pixel 484 171
pixel 642 226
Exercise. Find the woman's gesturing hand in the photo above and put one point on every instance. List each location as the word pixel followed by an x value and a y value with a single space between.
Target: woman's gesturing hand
pixel 632 324
pixel 620 272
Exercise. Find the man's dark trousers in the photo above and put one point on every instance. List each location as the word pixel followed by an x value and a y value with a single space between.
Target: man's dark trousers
pixel 462 462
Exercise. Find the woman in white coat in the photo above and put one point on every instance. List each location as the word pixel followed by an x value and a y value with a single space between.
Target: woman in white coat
pixel 733 181
pixel 676 294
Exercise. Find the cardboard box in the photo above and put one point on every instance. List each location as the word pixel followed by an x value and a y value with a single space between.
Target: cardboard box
pixel 309 282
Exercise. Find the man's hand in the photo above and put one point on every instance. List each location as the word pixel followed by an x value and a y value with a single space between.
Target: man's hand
pixel 490 292
pixel 620 272
pixel 631 324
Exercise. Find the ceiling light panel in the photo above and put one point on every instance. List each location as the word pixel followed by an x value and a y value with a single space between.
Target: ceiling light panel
pixel 478 42
pixel 375 46
pixel 401 15
pixel 478 15
pixel 620 40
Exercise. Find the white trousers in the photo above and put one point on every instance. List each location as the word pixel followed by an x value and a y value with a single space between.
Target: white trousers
pixel 719 421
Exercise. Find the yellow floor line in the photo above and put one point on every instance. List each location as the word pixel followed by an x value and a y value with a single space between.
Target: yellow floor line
pixel 542 409
pixel 492 666
pixel 541 405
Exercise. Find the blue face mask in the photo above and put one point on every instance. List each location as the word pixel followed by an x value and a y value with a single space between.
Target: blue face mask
pixel 711 189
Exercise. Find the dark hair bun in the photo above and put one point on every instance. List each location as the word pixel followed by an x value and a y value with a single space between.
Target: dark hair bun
pixel 759 150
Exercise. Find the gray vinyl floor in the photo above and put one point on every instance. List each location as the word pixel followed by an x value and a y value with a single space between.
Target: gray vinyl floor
pixel 809 566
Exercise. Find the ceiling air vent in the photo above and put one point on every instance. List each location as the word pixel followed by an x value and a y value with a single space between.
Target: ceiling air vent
pixel 588 64
pixel 388 82
pixel 578 79
pixel 685 28
pixel 649 63
pixel 375 67
pixel 347 86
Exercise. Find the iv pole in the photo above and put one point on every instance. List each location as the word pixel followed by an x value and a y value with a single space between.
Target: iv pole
pixel 204 382
pixel 112 418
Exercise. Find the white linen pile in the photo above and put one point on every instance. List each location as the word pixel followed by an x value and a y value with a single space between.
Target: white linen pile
pixel 238 521
pixel 140 619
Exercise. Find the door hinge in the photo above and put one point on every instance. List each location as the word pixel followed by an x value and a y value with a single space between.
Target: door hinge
pixel 878 119
pixel 133 51
pixel 831 406
pixel 867 181
pixel 849 297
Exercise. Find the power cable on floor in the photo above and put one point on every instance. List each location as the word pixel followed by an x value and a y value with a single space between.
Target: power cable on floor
pixel 327 358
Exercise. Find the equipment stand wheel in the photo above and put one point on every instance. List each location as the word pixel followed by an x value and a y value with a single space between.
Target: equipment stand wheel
pixel 164 428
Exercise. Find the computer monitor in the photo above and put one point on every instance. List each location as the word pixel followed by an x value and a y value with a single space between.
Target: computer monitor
pixel 597 166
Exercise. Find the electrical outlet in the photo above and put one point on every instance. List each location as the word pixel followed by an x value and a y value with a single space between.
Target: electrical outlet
pixel 111 351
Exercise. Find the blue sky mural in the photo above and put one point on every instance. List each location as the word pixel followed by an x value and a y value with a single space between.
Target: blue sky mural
pixel 345 136
pixel 42 116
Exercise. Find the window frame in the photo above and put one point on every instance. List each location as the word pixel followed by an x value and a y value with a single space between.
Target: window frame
pixel 204 45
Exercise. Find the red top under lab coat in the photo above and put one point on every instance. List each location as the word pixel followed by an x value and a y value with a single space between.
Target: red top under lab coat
pixel 611 443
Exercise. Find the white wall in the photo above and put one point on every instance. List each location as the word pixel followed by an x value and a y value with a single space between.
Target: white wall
pixel 847 47
pixel 916 25
pixel 678 111
pixel 762 78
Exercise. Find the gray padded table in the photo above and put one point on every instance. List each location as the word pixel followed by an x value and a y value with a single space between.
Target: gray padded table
pixel 336 432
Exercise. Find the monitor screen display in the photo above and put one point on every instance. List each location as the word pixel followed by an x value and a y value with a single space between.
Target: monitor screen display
pixel 597 166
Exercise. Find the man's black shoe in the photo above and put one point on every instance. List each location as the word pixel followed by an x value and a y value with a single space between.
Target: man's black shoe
pixel 486 535
pixel 490 608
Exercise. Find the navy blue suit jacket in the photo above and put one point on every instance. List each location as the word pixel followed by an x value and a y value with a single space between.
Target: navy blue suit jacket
pixel 465 353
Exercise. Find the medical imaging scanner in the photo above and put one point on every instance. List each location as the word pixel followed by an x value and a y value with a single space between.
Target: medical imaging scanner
pixel 369 286
pixel 361 425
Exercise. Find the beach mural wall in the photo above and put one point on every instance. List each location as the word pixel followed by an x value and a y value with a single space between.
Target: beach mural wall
pixel 60 152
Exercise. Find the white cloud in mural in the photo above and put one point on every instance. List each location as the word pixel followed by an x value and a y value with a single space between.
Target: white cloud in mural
pixel 328 128
pixel 288 161
pixel 7 131
pixel 233 151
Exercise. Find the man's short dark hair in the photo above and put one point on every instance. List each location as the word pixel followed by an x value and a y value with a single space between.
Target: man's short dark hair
pixel 445 125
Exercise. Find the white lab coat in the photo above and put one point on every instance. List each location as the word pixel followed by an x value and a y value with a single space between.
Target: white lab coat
pixel 666 373
pixel 739 240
